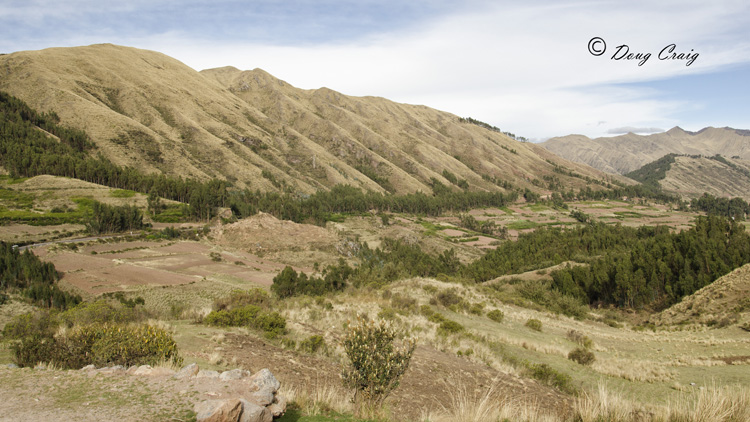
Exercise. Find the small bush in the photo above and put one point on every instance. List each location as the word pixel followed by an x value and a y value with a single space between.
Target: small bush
pixel 101 345
pixel 582 356
pixel 312 344
pixel 41 324
pixel 449 297
pixel 404 303
pixel 477 309
pixel 387 313
pixel 534 324
pixel 549 376
pixel 215 256
pixel 272 323
pixel 496 315
pixel 239 298
pixel 100 312
pixel 375 363
pixel 578 337
pixel 448 327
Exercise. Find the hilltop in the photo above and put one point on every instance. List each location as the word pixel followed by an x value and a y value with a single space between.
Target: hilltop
pixel 151 112
pixel 626 153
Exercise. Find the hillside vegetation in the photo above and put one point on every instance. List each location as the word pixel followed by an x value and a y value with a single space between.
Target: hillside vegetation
pixel 145 110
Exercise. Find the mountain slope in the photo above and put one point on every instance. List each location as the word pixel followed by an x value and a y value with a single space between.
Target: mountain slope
pixel 626 153
pixel 146 110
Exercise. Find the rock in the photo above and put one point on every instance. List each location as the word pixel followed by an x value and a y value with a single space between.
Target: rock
pixel 264 380
pixel 263 397
pixel 161 371
pixel 278 407
pixel 12 366
pixel 187 371
pixel 252 412
pixel 218 410
pixel 234 374
pixel 112 369
pixel 143 370
pixel 207 374
pixel 131 370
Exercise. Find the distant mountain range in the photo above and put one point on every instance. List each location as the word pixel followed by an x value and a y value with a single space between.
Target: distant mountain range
pixel 626 153
pixel 149 111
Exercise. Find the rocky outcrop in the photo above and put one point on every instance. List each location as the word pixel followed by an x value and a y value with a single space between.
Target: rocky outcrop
pixel 260 403
pixel 247 397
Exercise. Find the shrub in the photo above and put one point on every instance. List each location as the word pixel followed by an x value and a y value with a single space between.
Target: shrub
pixel 101 345
pixel 312 344
pixel 534 324
pixel 582 356
pixel 215 256
pixel 99 312
pixel 255 296
pixel 375 364
pixel 40 324
pixel 449 297
pixel 477 308
pixel 578 337
pixel 272 323
pixel 549 376
pixel 448 327
pixel 387 313
pixel 404 303
pixel 496 315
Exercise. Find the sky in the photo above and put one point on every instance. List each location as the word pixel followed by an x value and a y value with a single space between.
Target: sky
pixel 537 69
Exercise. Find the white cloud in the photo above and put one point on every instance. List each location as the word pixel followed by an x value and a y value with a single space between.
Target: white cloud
pixel 523 67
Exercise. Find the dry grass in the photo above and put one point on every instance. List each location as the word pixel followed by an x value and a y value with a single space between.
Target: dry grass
pixel 706 404
pixel 633 370
pixel 468 405
pixel 319 398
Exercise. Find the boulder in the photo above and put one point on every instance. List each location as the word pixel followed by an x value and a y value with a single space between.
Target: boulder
pixel 207 374
pixel 143 370
pixel 234 374
pixel 187 371
pixel 264 380
pixel 278 407
pixel 218 410
pixel 252 412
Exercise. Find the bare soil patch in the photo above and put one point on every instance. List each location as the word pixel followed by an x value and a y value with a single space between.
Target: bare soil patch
pixel 426 385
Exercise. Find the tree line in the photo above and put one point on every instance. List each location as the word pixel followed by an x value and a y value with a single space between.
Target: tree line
pixel 660 267
pixel 26 274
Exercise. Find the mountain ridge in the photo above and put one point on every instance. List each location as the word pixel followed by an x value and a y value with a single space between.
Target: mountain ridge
pixel 149 111
pixel 625 153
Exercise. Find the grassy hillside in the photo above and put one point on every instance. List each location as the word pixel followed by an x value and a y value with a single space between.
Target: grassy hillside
pixel 146 110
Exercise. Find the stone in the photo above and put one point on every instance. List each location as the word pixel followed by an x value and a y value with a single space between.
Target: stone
pixel 234 374
pixel 264 380
pixel 218 410
pixel 143 370
pixel 278 407
pixel 12 366
pixel 161 371
pixel 187 371
pixel 252 412
pixel 263 397
pixel 88 368
pixel 207 374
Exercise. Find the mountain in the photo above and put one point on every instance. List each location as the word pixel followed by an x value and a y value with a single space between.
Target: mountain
pixel 146 110
pixel 626 153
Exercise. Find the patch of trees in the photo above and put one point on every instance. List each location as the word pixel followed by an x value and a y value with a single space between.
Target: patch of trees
pixel 289 283
pixel 487 227
pixel 27 151
pixel 735 208
pixel 652 173
pixel 26 273
pixel 549 246
pixel 658 268
pixel 114 219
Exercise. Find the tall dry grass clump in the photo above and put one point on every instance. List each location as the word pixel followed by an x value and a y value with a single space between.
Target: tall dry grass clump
pixel 706 404
pixel 466 405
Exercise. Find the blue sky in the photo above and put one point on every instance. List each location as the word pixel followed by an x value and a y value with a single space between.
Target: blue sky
pixel 522 66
